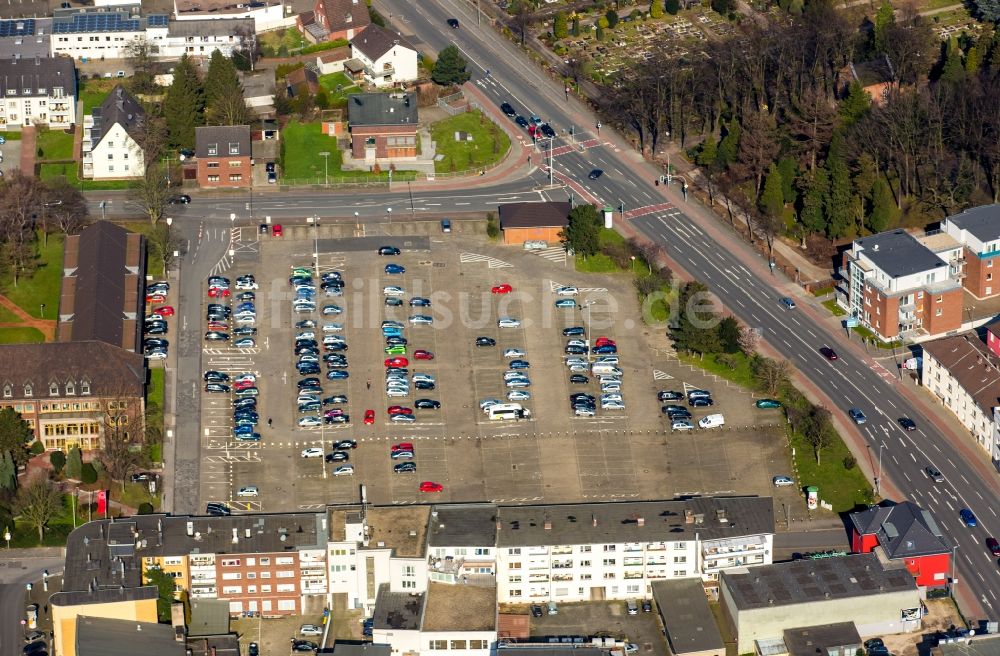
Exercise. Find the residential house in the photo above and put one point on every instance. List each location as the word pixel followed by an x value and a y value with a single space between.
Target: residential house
pixel 876 76
pixel 383 126
pixel 200 37
pixel 265 14
pixel 900 287
pixel 977 230
pixel 760 604
pixel 388 58
pixel 301 81
pixel 904 534
pixel 111 138
pixel 25 38
pixel 332 61
pixel 964 374
pixel 331 20
pixel 533 221
pixel 223 156
pixel 104 636
pixel 37 91
pixel 258 91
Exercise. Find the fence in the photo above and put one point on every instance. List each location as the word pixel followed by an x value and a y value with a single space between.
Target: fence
pixel 445 103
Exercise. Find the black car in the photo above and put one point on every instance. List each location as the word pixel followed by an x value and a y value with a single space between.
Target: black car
pixel 667 395
pixel 179 199
pixel 245 331
pixel 264 229
pixel 677 414
pixel 152 342
pixel 453 23
pixel 308 382
pixel 578 379
pixel 345 444
pixel 35 648
pixel 404 467
pixel 907 423
pixel 576 350
pixel 269 167
pixel 701 402
pixel 338 419
pixel 423 385
pixel 217 387
pixel 485 341
pixel 573 331
pixel 647 606
pixel 156 330
pixel 217 509
pixel 388 250
pixel 547 131
pixel 307 368
pixel 399 341
pixel 305 323
pixel 392 301
pixel 508 110
pixel 245 402
pixel 596 173
pixel 368 627
pixel 212 376
pixel 427 404
pixel 253 649
pixel 336 399
pixel 304 645
pixel 338 456
pixel 536 610
pixel 419 301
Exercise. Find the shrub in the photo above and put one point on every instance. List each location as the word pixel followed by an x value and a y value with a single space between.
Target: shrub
pixel 145 508
pixel 727 360
pixel 850 462
pixel 37 448
pixel 74 464
pixel 58 461
pixel 492 226
pixel 88 474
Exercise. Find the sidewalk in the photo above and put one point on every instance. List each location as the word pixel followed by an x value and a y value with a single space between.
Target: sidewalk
pixel 28 148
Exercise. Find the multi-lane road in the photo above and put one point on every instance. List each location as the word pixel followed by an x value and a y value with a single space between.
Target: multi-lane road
pixel 737 275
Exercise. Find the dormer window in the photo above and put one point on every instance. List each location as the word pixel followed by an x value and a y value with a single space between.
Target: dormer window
pixel 8 391
pixel 53 389
pixel 27 390
pixel 348 18
pixel 213 149
pixel 85 387
pixel 70 389
pixel 234 148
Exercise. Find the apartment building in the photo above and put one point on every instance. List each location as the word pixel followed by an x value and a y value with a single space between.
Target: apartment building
pixel 897 286
pixel 585 552
pixel 964 374
pixel 265 14
pixel 387 57
pixel 111 137
pixel 461 542
pixel 37 91
pixel 223 156
pixel 905 534
pixel 977 231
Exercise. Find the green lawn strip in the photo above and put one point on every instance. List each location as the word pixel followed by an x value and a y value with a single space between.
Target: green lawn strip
pixel 823 291
pixel 841 487
pixel 302 163
pixel 55 145
pixel 41 286
pixel 488 145
pixel 739 374
pixel 834 309
pixel 10 135
pixel 872 339
pixel 331 81
pixel 25 335
pixel 134 494
pixel 155 391
pixel 9 316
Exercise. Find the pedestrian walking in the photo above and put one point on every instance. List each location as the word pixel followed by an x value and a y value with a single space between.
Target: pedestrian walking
pixel 269 422
pixel 369 384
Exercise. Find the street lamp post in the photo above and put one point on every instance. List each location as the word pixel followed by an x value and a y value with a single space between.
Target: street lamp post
pixel 316 243
pixel 551 161
pixel 667 134
pixel 878 479
pixel 41 310
pixel 357 220
pixel 7 536
pixel 633 265
pixel 326 161
pixel 388 213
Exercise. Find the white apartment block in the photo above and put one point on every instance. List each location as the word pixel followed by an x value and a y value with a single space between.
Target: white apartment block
pixel 388 58
pixel 37 91
pixel 111 138
pixel 266 15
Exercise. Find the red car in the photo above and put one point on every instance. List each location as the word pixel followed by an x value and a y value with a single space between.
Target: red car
pixel 242 384
pixel 276 230
pixel 399 410
pixel 421 354
pixel 218 292
pixel 403 446
pixel 155 298
pixel 164 311
pixel 396 362
pixel 993 546
pixel 604 341
pixel 502 289
pixel 369 417
pixel 215 325
pixel 430 486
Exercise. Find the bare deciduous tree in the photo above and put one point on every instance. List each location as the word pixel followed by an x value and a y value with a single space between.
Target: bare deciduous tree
pixel 123 432
pixel 38 502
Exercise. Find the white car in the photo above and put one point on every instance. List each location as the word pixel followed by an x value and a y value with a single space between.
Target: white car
pixel 310 630
pixel 306 334
pixel 518 395
pixel 607 359
pixel 509 322
pixel 344 470
pixel 585 412
pixel 246 285
pixel 612 405
pixel 312 452
pixel 514 353
pixel 396 392
pixel 567 291
pixel 575 361
pixel 681 425
pixel 393 290
pixel 248 491
pixel 332 327
pixel 156 355
pixel 306 422
pixel 783 481
pixel 245 377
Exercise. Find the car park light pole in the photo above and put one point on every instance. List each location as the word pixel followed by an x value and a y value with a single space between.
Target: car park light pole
pixel 326 161
pixel 316 244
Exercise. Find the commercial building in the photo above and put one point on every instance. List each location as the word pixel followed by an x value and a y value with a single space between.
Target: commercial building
pixel 101 636
pixel 223 154
pixel 132 604
pixel 331 20
pixel 387 57
pixel 265 14
pixel 111 137
pixel 37 91
pixel 688 622
pixel 596 551
pixel 383 126
pixel 539 221
pixel 904 534
pixel 977 230
pixel 25 38
pixel 760 604
pixel 898 286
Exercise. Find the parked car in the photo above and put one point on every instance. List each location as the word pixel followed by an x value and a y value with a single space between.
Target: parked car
pixel 783 481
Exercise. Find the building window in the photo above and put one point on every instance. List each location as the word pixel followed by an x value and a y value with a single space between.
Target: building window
pixel 478 644
pixel 989 264
pixel 937 312
pixel 585 548
pixel 231 562
pixel 482 552
pixel 680 559
pixel 235 177
pixel 213 149
pixel 516 565
pixel 514 552
pixel 458 644
pixel 409 585
pixel 234 148
pixel 7 391
pixel 940 299
pixel 438 644
pixel 610 562
pixel 111 169
pixel 85 387
pixel 111 155
pixel 584 563
pixel 235 163
pixel 989 276
pixel 680 572
pixel 213 178
pixel 608 576
pixel 609 548
pixel 515 593
pixel 53 389
pixel 212 165
pixel 265 562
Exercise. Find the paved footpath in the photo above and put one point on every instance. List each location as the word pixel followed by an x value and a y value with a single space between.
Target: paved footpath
pixel 28 147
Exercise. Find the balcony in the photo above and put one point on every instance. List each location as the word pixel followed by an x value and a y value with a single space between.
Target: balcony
pixel 378 74
pixel 562 577
pixel 559 551
pixel 634 575
pixel 538 578
pixel 563 564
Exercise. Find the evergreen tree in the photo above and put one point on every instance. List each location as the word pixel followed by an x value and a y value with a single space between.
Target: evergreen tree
pixel 772 201
pixel 582 233
pixel 953 71
pixel 789 171
pixel 15 435
pixel 697 328
pixel 795 7
pixel 815 186
pixel 672 7
pixel 988 10
pixel 838 200
pixel 221 78
pixel 884 19
pixel 883 214
pixel 729 335
pixel 864 179
pixel 184 105
pixel 74 464
pixel 576 26
pixel 656 9
pixel 449 68
pixel 729 147
pixel 973 60
pixel 856 104
pixel 58 460
pixel 599 33
pixel 8 472
pixel 708 155
pixel 613 18
pixel 560 26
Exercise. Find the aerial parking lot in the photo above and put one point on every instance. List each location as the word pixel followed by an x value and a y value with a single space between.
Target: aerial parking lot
pixel 445 372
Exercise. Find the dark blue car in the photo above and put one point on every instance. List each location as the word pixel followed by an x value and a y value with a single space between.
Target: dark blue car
pixel 519 364
pixel 605 349
pixel 395 269
pixel 337 374
pixel 968 517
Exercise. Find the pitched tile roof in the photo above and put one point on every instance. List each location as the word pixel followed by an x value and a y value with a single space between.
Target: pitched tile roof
pixel 904 530
pixel 375 41
pixel 119 107
pixel 107 369
pixel 27 77
pixel 345 14
pixel 534 215
pixel 973 366
pixel 228 140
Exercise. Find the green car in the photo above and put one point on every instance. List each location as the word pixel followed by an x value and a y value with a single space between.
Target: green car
pixel 398 349
pixel 768 403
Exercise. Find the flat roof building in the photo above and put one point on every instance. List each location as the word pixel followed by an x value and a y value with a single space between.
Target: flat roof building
pixel 690 626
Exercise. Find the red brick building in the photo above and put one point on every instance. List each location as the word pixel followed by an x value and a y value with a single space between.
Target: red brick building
pixel 977 230
pixel 223 156
pixel 521 222
pixel 904 532
pixel 383 126
pixel 331 20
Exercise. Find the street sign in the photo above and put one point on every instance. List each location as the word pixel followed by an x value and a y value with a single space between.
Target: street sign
pixel 851 322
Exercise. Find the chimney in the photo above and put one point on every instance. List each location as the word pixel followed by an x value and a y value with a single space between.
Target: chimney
pixel 236 535
pixel 640 521
pixel 593 519
pixel 547 525
pixel 688 516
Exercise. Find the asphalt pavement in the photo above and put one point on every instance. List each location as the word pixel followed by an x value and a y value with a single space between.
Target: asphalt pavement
pixel 14 574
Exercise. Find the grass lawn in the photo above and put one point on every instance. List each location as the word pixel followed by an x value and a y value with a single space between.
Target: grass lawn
pixel 834 309
pixel 7 316
pixel 135 494
pixel 740 374
pixel 823 291
pixel 93 92
pixel 24 335
pixel 843 488
pixel 55 145
pixel 331 81
pixel 301 144
pixel 10 136
pixel 25 535
pixel 272 42
pixel 154 262
pixel 488 145
pixel 68 170
pixel 599 262
pixel 870 336
pixel 43 285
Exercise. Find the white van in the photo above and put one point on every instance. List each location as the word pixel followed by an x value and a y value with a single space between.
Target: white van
pixel 712 421
pixel 604 368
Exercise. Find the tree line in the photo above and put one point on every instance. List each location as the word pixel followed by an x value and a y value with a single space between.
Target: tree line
pixel 779 127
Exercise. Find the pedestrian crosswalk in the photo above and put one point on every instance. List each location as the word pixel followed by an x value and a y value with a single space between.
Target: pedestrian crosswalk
pixel 650 209
pixel 493 262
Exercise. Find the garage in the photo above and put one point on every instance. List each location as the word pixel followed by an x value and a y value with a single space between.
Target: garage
pixel 543 221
